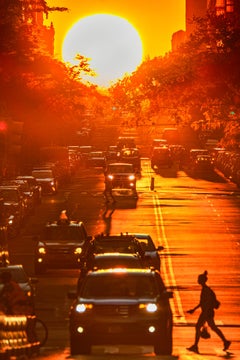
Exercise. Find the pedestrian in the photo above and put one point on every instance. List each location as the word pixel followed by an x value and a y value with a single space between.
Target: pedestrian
pixel 208 302
pixel 109 194
pixel 13 300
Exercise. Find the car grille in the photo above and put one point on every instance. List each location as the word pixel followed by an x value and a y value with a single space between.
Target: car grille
pixel 120 177
pixel 114 310
pixel 59 250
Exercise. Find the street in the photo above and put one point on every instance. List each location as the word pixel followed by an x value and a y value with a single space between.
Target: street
pixel 197 222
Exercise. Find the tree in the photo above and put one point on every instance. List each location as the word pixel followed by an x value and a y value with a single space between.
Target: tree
pixel 18 27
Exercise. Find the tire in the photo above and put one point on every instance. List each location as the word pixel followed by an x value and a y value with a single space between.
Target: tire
pixel 37 331
pixel 39 269
pixel 78 347
pixel 41 331
pixel 164 345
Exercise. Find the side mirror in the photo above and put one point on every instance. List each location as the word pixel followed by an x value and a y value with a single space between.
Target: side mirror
pixel 160 248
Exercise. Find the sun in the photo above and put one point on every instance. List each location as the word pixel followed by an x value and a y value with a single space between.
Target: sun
pixel 112 44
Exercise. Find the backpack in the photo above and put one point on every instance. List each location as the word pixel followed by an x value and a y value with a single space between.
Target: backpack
pixel 216 303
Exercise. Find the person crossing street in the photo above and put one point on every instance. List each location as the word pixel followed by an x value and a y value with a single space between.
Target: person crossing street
pixel 208 302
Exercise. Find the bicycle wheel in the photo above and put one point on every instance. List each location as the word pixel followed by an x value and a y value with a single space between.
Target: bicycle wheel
pixel 41 331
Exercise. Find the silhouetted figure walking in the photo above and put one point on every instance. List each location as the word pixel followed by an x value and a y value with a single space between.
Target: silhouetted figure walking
pixel 208 302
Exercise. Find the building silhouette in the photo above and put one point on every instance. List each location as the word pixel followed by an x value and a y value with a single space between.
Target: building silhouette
pixel 46 33
pixel 199 8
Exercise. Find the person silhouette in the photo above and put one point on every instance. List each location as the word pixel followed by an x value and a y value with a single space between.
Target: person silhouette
pixel 208 302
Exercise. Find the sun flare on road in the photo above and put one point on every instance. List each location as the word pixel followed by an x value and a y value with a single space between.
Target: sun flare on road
pixel 112 44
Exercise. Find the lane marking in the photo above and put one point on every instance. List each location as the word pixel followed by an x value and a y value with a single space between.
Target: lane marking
pixel 166 263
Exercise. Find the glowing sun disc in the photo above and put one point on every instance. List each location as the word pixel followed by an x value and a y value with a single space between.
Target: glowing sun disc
pixel 112 44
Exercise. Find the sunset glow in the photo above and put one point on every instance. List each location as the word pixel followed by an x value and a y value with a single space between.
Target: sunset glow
pixel 112 44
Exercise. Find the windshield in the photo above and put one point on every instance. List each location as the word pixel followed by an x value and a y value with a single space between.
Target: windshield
pixel 119 286
pixel 108 263
pixel 9 195
pixel 63 233
pixel 120 169
pixel 18 274
pixel 42 174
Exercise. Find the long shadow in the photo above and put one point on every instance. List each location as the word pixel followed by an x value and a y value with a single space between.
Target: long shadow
pixel 208 175
pixel 107 218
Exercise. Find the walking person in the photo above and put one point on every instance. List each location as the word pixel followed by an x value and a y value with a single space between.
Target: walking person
pixel 13 300
pixel 208 302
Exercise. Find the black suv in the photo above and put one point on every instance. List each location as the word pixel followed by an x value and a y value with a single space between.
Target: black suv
pixel 121 306
pixel 60 246
pixel 120 176
pixel 131 156
pixel 101 244
pixel 161 156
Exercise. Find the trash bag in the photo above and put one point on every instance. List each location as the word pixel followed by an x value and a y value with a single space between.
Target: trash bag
pixel 205 333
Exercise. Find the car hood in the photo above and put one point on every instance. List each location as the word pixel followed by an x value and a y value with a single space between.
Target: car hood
pixel 45 179
pixel 60 243
pixel 113 301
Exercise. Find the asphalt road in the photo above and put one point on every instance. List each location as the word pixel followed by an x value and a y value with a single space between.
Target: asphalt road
pixel 196 219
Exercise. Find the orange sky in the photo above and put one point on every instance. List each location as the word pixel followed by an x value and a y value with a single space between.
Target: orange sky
pixel 155 20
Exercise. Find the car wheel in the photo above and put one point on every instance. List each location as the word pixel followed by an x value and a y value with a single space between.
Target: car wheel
pixel 39 269
pixel 78 347
pixel 163 346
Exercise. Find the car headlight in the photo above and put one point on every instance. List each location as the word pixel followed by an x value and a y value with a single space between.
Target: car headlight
pixel 131 177
pixel 52 183
pixel 78 251
pixel 81 308
pixel 150 307
pixel 110 177
pixel 42 250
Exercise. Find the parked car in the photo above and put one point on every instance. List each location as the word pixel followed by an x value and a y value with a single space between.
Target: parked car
pixel 61 244
pixel 203 164
pixel 27 194
pixel 121 306
pixel 14 202
pixel 4 253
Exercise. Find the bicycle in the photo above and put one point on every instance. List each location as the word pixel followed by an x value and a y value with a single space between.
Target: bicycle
pixel 37 331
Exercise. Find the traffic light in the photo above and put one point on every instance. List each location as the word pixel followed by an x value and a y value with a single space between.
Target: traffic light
pixel 15 137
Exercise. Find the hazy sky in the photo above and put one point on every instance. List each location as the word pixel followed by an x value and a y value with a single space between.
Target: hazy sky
pixel 155 20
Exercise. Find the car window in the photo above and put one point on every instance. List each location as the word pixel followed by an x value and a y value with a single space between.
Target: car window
pixel 42 174
pixel 147 244
pixel 9 195
pixel 114 246
pixel 121 285
pixel 120 169
pixel 106 263
pixel 18 274
pixel 64 233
